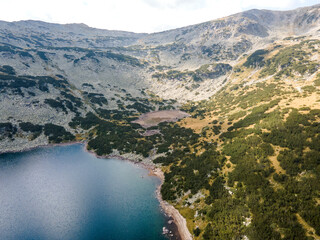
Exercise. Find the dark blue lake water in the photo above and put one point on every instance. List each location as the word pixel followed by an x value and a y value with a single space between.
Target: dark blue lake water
pixel 63 192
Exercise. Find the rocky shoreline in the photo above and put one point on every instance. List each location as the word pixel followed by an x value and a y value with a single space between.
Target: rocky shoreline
pixel 180 222
pixel 177 219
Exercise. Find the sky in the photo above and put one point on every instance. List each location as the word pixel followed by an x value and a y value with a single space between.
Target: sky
pixel 136 15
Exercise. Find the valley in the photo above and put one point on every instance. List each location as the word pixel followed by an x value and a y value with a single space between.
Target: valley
pixel 229 110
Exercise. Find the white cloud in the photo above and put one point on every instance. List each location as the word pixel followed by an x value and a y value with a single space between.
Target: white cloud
pixel 138 15
pixel 184 4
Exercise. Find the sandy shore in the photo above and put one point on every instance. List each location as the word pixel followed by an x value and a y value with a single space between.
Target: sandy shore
pixel 178 219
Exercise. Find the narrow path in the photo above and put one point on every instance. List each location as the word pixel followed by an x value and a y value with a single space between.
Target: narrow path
pixel 274 160
pixel 310 230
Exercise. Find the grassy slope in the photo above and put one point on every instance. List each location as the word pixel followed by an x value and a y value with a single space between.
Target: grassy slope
pixel 265 125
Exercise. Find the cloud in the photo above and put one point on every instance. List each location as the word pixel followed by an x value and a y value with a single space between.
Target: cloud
pixel 176 4
pixel 277 5
pixel 138 15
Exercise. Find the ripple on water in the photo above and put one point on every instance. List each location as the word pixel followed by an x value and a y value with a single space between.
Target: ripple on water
pixel 63 192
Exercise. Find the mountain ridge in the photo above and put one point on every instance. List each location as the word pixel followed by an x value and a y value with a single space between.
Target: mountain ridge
pixel 244 165
pixel 231 15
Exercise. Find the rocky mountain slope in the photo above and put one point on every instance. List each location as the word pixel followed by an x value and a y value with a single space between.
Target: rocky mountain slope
pixel 170 63
pixel 245 164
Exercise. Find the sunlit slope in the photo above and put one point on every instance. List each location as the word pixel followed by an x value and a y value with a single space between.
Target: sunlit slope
pixel 256 167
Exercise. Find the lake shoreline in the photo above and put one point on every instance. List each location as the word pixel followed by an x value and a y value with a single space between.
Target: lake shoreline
pixel 24 149
pixel 169 210
pixel 179 221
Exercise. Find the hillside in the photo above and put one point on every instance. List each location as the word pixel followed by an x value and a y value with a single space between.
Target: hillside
pixel 264 129
pixel 244 165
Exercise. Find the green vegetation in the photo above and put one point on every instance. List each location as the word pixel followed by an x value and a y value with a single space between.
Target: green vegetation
pixel 237 115
pixel 96 98
pixel 75 100
pixel 256 59
pixel 92 55
pixel 57 104
pixel 7 70
pixel 43 56
pixel 207 71
pixel 10 82
pixel 122 58
pixel 317 81
pixel 107 136
pixel 290 60
pixel 35 129
pixel 57 134
pixel 140 107
pixel 257 114
pixel 7 129
pixel 29 127
pixel 270 199
pixel 218 52
pixel 309 89
pixel 63 104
